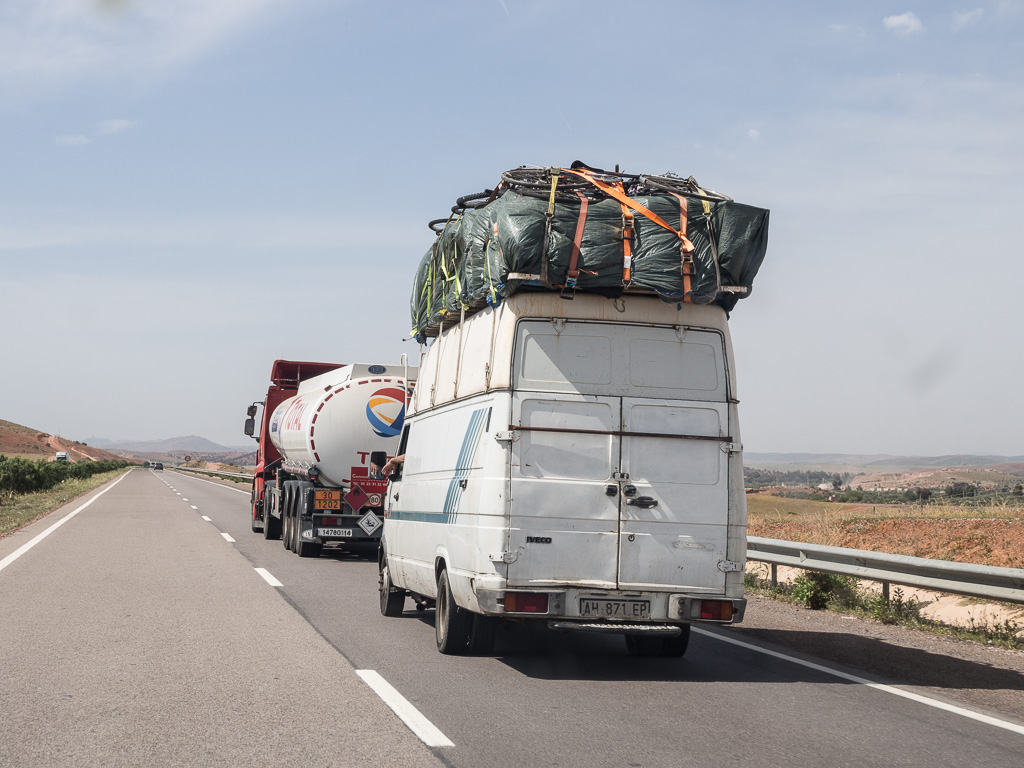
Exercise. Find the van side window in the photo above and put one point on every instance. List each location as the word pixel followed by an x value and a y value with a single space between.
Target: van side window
pixel 404 441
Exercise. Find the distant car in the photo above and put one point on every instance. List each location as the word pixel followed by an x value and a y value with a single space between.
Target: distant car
pixel 61 456
pixel 158 465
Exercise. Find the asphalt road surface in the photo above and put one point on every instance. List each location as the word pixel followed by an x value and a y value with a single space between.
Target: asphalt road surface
pixel 152 627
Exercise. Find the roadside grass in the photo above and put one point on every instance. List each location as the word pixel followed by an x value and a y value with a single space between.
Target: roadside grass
pixel 17 510
pixel 985 535
pixel 845 595
pixel 762 506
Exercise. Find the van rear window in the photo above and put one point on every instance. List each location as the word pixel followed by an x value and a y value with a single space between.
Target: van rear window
pixel 620 360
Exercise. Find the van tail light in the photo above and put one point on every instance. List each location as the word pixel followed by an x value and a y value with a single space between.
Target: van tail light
pixel 716 610
pixel 526 602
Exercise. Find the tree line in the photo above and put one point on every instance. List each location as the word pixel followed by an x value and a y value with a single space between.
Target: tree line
pixel 26 475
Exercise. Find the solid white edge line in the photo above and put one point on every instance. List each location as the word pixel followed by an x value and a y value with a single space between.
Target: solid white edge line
pixel 877 686
pixel 227 537
pixel 269 577
pixel 28 545
pixel 427 732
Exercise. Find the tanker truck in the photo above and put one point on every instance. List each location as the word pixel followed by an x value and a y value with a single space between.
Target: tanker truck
pixel 321 425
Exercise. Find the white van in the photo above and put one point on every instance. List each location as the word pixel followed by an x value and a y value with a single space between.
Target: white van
pixel 576 462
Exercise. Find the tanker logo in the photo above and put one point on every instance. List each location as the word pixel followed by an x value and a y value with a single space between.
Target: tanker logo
pixel 386 411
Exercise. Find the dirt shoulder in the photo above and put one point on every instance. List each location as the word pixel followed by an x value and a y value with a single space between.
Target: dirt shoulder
pixel 983 677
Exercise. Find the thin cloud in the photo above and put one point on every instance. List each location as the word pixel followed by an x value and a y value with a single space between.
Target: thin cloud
pixel 753 134
pixel 904 25
pixel 114 126
pixel 73 140
pixel 1009 8
pixel 847 29
pixel 967 19
pixel 103 128
pixel 86 228
pixel 48 45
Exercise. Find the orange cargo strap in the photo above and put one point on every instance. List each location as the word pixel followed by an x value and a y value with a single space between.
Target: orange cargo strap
pixel 574 260
pixel 686 257
pixel 628 231
pixel 616 191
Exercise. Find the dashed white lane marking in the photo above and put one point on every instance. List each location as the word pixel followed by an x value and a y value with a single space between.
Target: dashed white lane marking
pixel 28 545
pixel 427 732
pixel 207 519
pixel 195 507
pixel 269 577
pixel 877 686
pixel 227 538
pixel 183 498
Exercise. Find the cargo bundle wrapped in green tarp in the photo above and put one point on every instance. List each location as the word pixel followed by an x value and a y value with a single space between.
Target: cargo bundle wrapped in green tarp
pixel 581 229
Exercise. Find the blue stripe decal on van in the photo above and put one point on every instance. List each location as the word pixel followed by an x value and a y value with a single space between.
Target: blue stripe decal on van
pixel 418 517
pixel 470 444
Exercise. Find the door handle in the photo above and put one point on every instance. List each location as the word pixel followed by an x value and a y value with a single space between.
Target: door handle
pixel 644 502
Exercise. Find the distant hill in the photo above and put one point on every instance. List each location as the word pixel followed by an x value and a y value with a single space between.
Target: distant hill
pixel 28 443
pixel 888 462
pixel 191 444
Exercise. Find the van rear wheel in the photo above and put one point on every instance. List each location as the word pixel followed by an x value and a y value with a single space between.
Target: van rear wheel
pixel 452 625
pixel 659 645
pixel 483 634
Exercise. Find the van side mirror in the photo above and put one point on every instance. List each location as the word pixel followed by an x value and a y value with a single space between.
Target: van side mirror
pixel 378 459
pixel 250 426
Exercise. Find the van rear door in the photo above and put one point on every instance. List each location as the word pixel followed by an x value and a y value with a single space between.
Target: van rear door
pixel 673 529
pixel 675 503
pixel 618 479
pixel 564 521
pixel 564 506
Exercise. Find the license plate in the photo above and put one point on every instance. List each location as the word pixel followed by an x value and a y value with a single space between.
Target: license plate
pixel 344 533
pixel 324 499
pixel 615 609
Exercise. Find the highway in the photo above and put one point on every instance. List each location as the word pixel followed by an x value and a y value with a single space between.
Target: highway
pixel 140 632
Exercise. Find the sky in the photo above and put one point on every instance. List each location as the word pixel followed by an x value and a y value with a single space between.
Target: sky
pixel 191 189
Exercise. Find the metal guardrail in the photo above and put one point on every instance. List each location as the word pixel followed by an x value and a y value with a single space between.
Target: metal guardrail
pixel 1005 584
pixel 214 472
pixel 985 581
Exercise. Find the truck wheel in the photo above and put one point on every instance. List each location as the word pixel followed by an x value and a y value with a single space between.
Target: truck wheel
pixel 257 525
pixel 306 548
pixel 303 497
pixel 392 601
pixel 271 524
pixel 452 625
pixel 286 515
